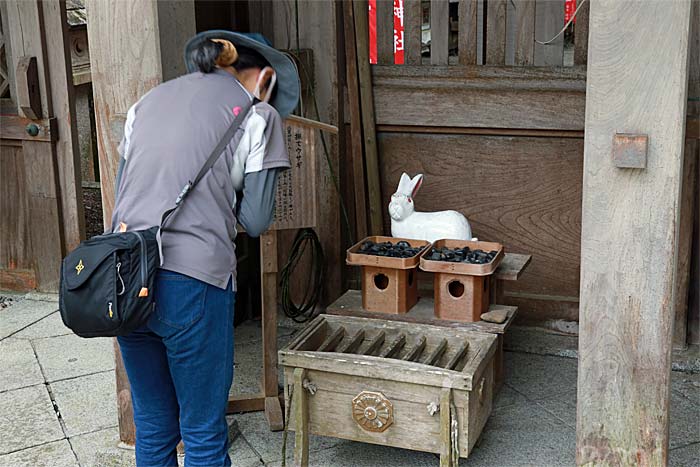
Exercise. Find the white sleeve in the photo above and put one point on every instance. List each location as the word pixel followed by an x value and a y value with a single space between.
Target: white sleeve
pixel 128 129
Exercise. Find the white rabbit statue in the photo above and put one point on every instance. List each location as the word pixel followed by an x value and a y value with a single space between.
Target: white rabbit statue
pixel 406 222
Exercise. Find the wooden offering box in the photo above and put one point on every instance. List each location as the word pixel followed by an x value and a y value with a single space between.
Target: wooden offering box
pixel 389 285
pixel 462 289
pixel 413 386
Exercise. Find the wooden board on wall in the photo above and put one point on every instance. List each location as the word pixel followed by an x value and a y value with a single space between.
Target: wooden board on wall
pixel 480 96
pixel 524 192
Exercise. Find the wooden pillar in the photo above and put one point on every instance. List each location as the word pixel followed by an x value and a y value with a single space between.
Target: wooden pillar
pixel 134 45
pixel 630 230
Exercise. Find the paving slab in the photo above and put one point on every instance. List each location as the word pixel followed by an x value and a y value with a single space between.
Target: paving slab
pixel 240 451
pixel 540 341
pixel 99 449
pixel 19 365
pixel 354 454
pixel 247 367
pixel 69 356
pixel 253 426
pixel 56 454
pixel 684 421
pixel 524 435
pixel 87 403
pixel 507 396
pixel 687 384
pixel 27 419
pixel 22 314
pixel 686 456
pixel 538 376
pixel 50 326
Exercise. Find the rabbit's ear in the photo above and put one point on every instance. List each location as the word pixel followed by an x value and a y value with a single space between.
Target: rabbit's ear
pixel 404 184
pixel 416 183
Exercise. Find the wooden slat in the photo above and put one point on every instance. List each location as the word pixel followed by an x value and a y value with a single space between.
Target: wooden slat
pixel 414 353
pixel 688 210
pixel 385 32
pixel 333 340
pixel 16 261
pixel 412 23
pixel 436 354
pixel 457 356
pixel 356 155
pixel 374 197
pixel 495 32
pixel 58 62
pixel 268 268
pixel 549 19
pixel 626 317
pixel 354 343
pixel 446 428
pixel 447 130
pixel 439 32
pixel 523 23
pixel 466 41
pixel 512 266
pixel 15 127
pixel 301 417
pixel 581 35
pixel 350 304
pixel 375 344
pixel 488 97
pixel 394 347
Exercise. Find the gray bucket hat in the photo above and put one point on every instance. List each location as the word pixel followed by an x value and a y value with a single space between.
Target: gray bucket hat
pixel 287 91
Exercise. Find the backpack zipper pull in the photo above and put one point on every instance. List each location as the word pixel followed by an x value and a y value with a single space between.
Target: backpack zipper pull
pixel 110 310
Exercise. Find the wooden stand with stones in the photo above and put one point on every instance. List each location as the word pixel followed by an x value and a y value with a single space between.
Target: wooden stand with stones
pixel 510 269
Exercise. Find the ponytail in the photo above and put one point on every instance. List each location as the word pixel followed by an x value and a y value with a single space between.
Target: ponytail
pixel 210 53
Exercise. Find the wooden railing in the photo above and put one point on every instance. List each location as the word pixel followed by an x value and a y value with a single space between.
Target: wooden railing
pixel 483 32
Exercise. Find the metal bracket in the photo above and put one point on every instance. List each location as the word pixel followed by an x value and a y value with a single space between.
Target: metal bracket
pixel 629 151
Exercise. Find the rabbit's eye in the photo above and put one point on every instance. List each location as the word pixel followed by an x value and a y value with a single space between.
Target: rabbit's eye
pixel 410 200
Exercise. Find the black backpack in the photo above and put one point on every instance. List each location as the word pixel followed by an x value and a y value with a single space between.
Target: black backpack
pixel 107 282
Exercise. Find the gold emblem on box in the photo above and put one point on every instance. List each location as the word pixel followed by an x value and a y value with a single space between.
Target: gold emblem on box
pixel 372 411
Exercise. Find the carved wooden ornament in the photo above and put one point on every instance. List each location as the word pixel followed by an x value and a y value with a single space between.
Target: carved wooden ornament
pixel 372 411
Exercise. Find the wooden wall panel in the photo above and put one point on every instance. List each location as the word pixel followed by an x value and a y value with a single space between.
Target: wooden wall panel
pixel 522 191
pixel 15 247
pixel 480 96
pixel 317 31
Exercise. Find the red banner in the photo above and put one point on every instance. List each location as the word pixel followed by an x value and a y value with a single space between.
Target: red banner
pixel 372 31
pixel 569 9
pixel 398 32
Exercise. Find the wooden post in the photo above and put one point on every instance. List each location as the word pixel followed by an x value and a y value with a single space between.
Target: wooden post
pixel 445 428
pixel 129 43
pixel 630 231
pixel 268 259
pixel 301 417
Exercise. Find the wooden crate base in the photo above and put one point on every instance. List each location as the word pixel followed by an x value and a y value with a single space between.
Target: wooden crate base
pixel 419 387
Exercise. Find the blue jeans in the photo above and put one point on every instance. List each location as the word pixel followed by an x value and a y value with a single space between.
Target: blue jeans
pixel 180 367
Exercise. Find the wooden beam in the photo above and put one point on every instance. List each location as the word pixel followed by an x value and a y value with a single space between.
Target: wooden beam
pixel 581 35
pixel 15 127
pixel 126 61
pixel 374 197
pixel 486 96
pixel 356 155
pixel 58 63
pixel 630 230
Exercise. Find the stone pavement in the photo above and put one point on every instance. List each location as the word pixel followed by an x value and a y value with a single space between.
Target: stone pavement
pixel 57 405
